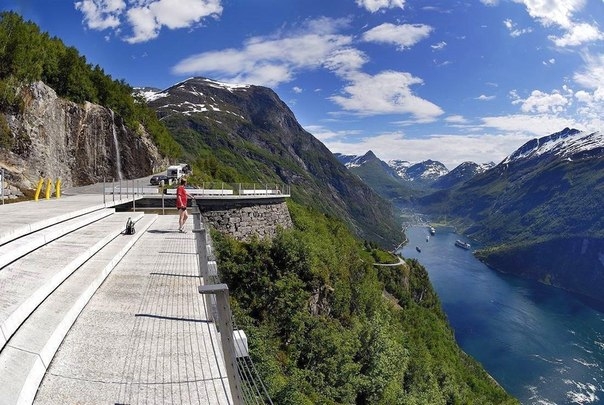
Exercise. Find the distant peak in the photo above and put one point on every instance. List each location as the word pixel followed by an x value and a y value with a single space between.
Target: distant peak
pixel 565 144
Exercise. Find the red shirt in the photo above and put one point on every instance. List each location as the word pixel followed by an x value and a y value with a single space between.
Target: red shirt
pixel 181 197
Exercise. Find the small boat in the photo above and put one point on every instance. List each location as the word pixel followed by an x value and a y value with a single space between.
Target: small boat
pixel 462 244
pixel 418 249
pixel 432 230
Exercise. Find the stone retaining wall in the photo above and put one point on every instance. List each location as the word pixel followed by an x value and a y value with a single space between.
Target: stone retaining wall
pixel 242 222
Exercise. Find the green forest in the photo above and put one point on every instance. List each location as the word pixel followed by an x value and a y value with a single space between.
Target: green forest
pixel 28 55
pixel 326 326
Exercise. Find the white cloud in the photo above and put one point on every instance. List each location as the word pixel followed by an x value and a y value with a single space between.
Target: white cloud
pixel 514 31
pixel 592 75
pixel 534 125
pixel 403 36
pixel 345 61
pixel 451 150
pixel 562 14
pixel 540 102
pixel 484 97
pixel 146 18
pixel 591 101
pixel 548 12
pixel 101 14
pixel 375 5
pixel 387 92
pixel 456 119
pixel 270 61
pixel 439 46
pixel 297 89
pixel 578 34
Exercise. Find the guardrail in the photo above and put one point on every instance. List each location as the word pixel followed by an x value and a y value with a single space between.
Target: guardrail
pixel 244 381
pixel 236 189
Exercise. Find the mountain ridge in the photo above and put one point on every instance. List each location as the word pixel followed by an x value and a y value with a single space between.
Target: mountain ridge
pixel 250 129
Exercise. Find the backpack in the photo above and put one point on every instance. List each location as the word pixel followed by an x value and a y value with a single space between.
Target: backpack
pixel 130 227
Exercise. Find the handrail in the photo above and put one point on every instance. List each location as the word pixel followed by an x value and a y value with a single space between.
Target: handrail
pixel 244 380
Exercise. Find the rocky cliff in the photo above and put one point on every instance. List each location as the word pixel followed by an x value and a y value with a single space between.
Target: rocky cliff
pixel 79 143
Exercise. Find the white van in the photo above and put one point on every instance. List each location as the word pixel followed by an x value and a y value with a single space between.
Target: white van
pixel 175 172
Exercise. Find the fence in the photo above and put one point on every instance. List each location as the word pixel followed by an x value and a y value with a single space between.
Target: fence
pixel 244 381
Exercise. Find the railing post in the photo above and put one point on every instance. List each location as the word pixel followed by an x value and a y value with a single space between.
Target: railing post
pixel 225 328
pixel 2 185
pixel 133 196
pixel 200 238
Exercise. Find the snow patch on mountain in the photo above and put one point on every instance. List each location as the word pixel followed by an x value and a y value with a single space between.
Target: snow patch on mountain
pixel 563 144
pixel 428 170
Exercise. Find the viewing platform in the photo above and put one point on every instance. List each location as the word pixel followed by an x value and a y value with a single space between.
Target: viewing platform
pixel 89 314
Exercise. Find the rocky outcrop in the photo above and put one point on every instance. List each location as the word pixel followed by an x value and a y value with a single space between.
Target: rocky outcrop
pixel 244 221
pixel 80 144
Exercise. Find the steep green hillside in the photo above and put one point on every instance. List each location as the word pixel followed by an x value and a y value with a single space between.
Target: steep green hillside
pixel 384 181
pixel 248 134
pixel 322 332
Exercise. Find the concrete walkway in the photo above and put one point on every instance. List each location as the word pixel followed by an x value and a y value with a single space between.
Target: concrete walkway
pixel 144 338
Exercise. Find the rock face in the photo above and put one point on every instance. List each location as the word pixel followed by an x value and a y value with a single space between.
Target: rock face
pixel 80 144
pixel 245 221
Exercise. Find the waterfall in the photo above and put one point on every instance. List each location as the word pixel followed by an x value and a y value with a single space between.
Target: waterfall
pixel 117 149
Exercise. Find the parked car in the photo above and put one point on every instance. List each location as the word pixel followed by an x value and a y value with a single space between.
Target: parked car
pixel 157 179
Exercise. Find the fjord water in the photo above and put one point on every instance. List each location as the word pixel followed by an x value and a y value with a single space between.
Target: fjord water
pixel 542 344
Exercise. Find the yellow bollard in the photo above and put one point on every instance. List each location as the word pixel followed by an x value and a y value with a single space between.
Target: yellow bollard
pixel 48 188
pixel 58 188
pixel 38 189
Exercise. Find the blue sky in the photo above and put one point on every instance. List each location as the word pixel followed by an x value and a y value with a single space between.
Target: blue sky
pixel 450 80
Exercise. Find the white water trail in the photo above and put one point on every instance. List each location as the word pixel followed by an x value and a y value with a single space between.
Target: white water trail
pixel 117 149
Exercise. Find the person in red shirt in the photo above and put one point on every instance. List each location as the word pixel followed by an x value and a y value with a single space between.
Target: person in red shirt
pixel 181 205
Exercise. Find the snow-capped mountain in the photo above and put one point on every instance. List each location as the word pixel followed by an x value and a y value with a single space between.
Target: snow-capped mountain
pixel 351 160
pixel 426 171
pixel 194 95
pixel 567 144
pixel 462 173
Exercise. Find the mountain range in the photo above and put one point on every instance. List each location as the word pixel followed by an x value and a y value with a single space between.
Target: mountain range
pixel 402 182
pixel 538 213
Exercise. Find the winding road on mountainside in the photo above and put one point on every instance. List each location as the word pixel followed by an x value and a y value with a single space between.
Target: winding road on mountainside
pixel 400 261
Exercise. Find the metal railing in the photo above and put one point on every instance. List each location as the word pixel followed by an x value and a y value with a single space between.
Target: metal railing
pixel 237 189
pixel 244 380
